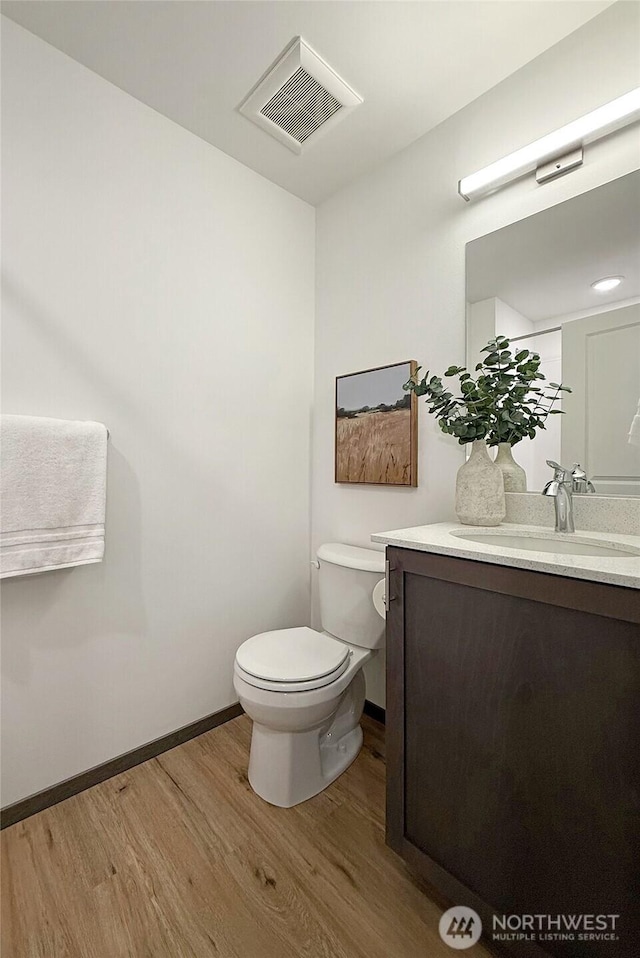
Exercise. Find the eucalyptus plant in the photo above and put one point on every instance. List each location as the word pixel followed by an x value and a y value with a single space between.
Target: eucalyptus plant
pixel 509 399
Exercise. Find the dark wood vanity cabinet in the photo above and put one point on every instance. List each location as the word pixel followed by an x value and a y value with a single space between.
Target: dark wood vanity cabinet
pixel 513 744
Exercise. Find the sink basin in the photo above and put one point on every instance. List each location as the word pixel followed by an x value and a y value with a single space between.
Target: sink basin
pixel 558 544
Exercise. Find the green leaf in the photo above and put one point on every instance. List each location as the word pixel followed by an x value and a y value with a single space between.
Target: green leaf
pixel 503 404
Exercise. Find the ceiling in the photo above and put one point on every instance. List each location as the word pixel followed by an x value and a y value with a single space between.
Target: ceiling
pixel 415 63
pixel 543 266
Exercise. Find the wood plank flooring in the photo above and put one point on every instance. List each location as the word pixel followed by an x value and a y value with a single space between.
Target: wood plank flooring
pixel 178 858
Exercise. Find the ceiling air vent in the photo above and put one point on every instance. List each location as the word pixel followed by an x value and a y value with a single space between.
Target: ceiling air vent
pixel 299 98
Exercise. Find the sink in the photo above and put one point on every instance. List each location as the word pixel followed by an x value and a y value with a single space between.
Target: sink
pixel 558 544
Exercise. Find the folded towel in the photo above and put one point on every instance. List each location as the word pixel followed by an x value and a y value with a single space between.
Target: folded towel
pixel 53 480
pixel 634 432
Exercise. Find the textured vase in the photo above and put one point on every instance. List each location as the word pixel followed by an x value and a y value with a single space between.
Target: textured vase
pixel 515 478
pixel 480 489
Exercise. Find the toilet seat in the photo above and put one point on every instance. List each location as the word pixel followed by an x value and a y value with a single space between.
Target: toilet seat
pixel 291 660
pixel 308 686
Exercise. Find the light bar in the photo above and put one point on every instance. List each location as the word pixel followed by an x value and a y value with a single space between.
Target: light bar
pixel 618 113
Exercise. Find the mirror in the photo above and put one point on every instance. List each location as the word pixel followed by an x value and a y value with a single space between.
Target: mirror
pixel 533 283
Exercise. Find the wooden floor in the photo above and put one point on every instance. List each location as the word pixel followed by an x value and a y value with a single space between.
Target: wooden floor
pixel 178 858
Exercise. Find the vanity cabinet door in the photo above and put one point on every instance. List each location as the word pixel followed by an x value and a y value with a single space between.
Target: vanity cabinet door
pixel 513 723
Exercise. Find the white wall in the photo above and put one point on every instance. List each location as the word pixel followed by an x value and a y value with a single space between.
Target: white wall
pixel 489 318
pixel 155 284
pixel 390 257
pixel 511 321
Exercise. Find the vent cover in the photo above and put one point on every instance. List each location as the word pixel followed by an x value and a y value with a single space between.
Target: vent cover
pixel 299 97
pixel 301 106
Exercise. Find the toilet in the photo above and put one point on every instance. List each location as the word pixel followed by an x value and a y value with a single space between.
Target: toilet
pixel 305 690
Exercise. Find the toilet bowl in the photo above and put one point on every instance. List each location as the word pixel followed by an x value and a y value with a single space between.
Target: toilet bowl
pixel 305 690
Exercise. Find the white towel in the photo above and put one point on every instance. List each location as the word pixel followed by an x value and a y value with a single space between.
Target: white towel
pixel 53 482
pixel 634 432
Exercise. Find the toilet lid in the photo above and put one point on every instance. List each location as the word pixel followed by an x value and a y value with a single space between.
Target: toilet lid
pixel 291 655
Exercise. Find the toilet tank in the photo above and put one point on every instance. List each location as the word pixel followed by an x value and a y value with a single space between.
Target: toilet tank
pixel 347 577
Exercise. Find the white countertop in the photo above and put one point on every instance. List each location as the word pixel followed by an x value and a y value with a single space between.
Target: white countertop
pixel 441 539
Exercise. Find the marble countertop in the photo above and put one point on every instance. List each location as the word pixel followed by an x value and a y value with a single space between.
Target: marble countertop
pixel 442 538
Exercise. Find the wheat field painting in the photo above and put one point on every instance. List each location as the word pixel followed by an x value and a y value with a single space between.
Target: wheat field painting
pixel 376 434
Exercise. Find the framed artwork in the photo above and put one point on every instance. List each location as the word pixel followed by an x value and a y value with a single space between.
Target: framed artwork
pixel 376 437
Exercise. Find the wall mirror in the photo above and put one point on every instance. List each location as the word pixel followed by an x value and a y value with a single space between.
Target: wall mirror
pixel 533 283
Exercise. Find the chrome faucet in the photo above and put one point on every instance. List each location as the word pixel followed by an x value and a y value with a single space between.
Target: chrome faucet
pixel 561 488
pixel 581 483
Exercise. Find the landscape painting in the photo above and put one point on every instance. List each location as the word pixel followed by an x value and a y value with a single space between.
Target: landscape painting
pixel 376 427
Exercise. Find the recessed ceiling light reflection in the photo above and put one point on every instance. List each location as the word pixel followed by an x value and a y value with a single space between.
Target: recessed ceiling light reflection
pixel 606 284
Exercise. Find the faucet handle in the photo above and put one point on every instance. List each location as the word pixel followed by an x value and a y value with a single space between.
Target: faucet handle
pixel 580 480
pixel 560 473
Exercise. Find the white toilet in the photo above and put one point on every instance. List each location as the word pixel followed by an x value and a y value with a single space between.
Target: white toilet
pixel 304 689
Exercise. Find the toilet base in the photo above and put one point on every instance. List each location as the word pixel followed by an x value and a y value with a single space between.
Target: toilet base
pixel 286 768
pixel 302 741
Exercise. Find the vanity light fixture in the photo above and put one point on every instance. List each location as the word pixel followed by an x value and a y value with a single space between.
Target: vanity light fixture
pixel 606 284
pixel 556 153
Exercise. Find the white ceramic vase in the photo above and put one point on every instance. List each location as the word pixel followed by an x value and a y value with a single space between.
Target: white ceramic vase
pixel 515 478
pixel 480 489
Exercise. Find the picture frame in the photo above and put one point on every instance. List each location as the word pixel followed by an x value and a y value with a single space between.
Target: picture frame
pixel 376 427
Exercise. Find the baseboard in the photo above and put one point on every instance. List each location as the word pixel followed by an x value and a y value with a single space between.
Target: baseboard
pixel 26 807
pixel 100 773
pixel 375 711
